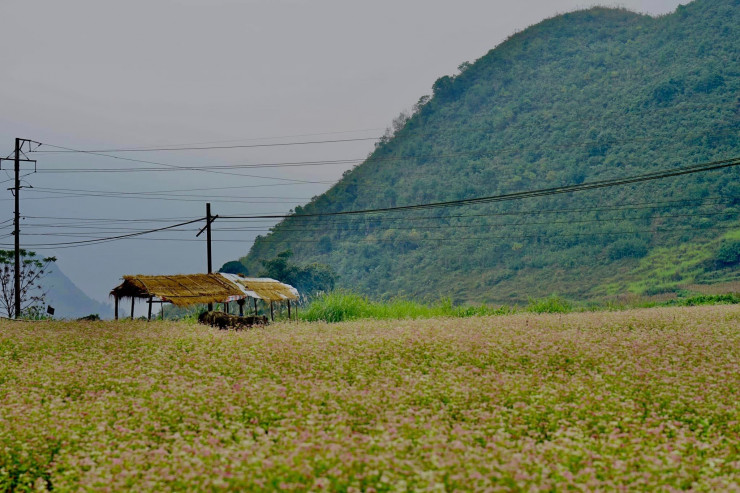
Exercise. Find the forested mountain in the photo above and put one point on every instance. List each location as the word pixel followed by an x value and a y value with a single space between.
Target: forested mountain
pixel 586 96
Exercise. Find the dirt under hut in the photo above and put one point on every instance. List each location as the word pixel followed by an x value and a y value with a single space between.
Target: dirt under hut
pixel 191 289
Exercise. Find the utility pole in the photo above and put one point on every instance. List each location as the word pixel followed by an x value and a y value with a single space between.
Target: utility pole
pixel 17 228
pixel 208 241
pixel 208 236
pixel 207 229
pixel 16 189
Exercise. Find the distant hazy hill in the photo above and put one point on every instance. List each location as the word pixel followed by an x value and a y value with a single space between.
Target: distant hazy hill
pixel 585 96
pixel 68 300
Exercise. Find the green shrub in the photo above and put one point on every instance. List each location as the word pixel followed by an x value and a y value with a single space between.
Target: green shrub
pixel 627 248
pixel 729 253
pixel 709 299
pixel 336 307
pixel 234 267
pixel 551 304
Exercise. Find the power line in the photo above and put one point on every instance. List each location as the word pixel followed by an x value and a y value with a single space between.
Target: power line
pixel 96 227
pixel 88 222
pixel 479 153
pixel 479 200
pixel 164 192
pixel 242 146
pixel 177 228
pixel 274 137
pixel 627 206
pixel 107 219
pixel 714 165
pixel 217 167
pixel 174 228
pixel 182 168
pixel 196 198
pixel 72 233
pixel 482 225
pixel 119 237
pixel 62 245
pixel 508 237
pixel 192 145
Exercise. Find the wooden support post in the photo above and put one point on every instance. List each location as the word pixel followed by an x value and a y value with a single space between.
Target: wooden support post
pixel 272 312
pixel 133 299
pixel 149 314
pixel 255 306
pixel 241 306
pixel 288 309
pixel 116 305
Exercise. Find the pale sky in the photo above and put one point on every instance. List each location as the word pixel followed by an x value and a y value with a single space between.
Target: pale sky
pixel 101 74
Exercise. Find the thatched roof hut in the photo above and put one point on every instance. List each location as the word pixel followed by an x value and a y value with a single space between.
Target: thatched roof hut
pixel 191 289
pixel 180 290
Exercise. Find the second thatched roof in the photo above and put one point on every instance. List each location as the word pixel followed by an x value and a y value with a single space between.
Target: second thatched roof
pixel 264 288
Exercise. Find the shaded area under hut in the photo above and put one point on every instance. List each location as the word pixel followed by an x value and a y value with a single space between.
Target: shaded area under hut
pixel 190 289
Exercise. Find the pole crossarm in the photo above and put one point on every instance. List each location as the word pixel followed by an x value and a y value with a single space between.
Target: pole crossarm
pixel 208 223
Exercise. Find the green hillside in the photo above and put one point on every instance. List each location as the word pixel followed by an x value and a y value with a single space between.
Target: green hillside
pixel 585 96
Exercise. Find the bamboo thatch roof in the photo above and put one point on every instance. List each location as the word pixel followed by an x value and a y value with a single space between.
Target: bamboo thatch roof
pixel 264 288
pixel 190 289
pixel 180 290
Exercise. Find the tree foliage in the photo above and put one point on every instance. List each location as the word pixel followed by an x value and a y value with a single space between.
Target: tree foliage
pixel 32 271
pixel 729 253
pixel 309 280
pixel 234 267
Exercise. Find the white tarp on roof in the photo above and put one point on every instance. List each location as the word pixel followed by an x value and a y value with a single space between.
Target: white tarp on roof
pixel 262 288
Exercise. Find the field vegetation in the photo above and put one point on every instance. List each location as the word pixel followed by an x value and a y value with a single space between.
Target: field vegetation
pixel 341 305
pixel 636 400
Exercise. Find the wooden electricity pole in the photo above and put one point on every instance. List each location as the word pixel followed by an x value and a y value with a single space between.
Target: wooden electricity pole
pixel 207 229
pixel 208 241
pixel 17 229
pixel 16 189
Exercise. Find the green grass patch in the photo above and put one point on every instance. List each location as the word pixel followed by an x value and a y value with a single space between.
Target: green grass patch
pixel 343 306
pixel 667 269
pixel 709 299
pixel 551 304
pixel 339 305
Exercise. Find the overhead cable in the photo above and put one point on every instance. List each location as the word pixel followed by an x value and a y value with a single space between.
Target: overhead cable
pixel 242 146
pixel 714 165
pixel 183 168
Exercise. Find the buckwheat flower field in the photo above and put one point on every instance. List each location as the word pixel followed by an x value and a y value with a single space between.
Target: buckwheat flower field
pixel 634 400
